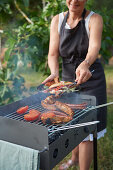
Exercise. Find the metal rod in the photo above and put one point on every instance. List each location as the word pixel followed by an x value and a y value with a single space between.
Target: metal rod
pixel 75 126
pixel 99 106
pixel 93 122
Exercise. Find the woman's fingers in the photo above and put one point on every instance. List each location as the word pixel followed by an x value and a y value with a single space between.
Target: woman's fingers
pixel 85 77
pixel 82 76
pixel 50 78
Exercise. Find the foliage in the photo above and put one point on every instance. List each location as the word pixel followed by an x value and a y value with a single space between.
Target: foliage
pixel 107 37
pixel 26 43
pixel 11 84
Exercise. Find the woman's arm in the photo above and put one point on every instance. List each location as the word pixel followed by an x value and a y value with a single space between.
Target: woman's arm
pixel 95 27
pixel 53 54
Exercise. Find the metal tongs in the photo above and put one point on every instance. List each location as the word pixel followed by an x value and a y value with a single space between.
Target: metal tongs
pixel 41 87
pixel 74 126
pixel 74 84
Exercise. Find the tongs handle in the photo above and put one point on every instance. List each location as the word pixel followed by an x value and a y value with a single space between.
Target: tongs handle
pixel 75 83
pixel 72 85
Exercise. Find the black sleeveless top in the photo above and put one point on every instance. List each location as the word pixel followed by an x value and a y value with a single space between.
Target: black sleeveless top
pixel 73 49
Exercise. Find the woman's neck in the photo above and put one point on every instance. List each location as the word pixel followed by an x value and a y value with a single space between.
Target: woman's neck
pixel 75 15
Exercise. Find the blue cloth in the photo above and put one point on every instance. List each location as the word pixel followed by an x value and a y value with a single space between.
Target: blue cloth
pixel 16 157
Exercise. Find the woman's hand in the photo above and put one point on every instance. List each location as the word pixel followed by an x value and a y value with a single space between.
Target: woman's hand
pixel 82 73
pixel 50 78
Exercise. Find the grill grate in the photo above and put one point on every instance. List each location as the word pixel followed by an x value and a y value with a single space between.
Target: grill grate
pixel 52 136
pixel 38 107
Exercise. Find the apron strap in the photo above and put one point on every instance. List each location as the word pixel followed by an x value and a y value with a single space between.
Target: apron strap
pixel 64 22
pixel 83 13
pixel 66 17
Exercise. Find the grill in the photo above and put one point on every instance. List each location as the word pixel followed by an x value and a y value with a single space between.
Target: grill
pixel 53 145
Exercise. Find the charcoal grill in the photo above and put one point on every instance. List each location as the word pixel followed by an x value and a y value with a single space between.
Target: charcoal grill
pixel 53 145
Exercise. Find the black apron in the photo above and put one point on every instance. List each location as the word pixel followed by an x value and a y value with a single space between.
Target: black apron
pixel 73 49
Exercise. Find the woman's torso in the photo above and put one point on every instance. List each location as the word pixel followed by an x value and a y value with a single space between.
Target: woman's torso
pixel 72 57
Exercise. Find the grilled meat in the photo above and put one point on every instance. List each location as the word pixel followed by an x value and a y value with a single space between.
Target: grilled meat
pixel 65 108
pixel 56 80
pixel 48 106
pixel 55 117
pixel 60 84
pixel 50 100
pixel 60 119
pixel 46 116
pixel 49 83
pixel 77 106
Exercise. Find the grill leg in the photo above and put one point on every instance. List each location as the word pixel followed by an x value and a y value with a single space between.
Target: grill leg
pixel 95 150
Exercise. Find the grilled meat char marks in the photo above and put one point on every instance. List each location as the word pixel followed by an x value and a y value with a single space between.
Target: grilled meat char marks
pixel 77 106
pixel 50 100
pixel 64 115
pixel 65 108
pixel 55 117
pixel 48 106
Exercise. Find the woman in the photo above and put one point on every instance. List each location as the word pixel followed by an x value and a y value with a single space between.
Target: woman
pixel 75 35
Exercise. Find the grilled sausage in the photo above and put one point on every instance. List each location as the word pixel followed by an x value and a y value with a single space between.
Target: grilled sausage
pixel 57 113
pixel 77 106
pixel 61 83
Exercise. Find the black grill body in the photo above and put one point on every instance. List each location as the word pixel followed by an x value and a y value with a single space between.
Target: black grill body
pixel 53 146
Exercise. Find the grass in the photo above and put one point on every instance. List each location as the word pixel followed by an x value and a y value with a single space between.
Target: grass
pixel 105 145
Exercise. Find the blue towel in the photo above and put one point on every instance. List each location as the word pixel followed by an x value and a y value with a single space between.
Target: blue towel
pixel 16 157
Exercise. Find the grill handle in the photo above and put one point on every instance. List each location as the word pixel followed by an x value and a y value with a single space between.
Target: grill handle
pixel 74 126
pixel 99 106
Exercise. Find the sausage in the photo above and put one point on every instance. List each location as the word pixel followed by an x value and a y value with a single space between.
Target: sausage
pixel 57 113
pixel 77 106
pixel 60 84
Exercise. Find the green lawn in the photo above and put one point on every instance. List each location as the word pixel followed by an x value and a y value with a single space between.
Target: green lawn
pixel 105 145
